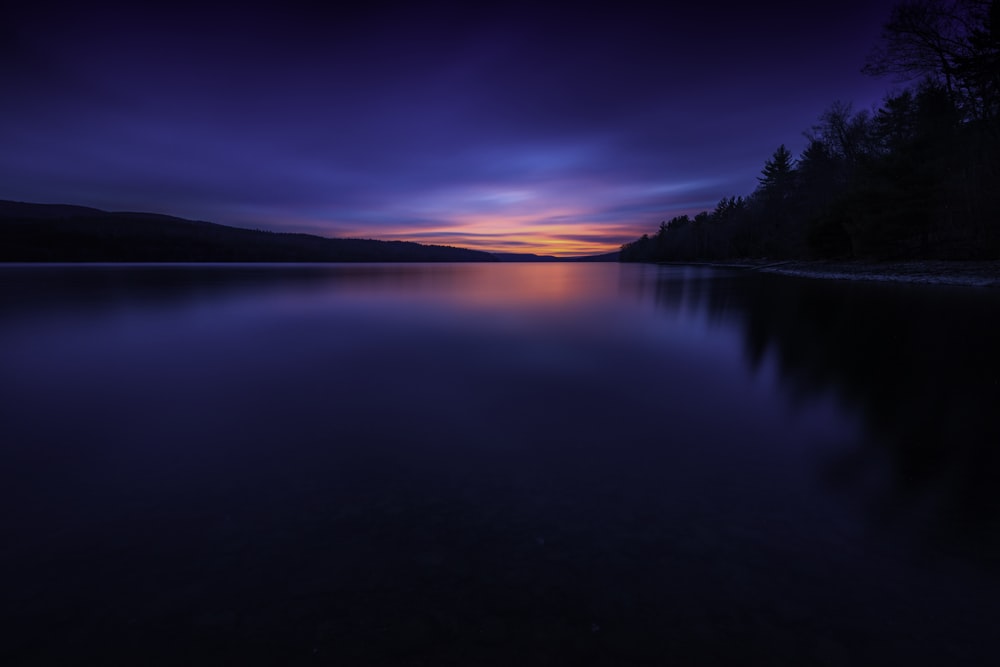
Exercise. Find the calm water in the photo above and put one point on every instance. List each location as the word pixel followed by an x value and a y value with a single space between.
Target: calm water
pixel 495 465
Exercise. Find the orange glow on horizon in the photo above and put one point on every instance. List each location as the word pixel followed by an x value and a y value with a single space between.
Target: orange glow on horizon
pixel 517 234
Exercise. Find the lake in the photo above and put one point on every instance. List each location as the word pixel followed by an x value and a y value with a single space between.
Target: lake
pixel 495 464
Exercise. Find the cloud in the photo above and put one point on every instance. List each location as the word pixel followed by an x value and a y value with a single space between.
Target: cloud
pixel 409 120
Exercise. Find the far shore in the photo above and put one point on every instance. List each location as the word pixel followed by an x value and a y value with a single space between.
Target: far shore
pixel 936 272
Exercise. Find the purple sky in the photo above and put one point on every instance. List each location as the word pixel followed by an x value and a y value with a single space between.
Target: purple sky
pixel 504 127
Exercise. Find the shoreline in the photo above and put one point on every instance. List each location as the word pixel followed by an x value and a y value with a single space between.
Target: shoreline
pixel 978 273
pixel 981 273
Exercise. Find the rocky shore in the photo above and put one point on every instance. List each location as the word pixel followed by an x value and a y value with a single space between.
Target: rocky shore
pixel 938 272
pixel 978 274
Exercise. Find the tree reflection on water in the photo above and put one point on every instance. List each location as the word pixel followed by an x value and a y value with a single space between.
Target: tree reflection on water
pixel 918 363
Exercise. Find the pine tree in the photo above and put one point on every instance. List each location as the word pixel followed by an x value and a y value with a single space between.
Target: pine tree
pixel 777 176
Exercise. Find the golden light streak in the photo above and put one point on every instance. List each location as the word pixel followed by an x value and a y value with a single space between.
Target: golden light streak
pixel 519 234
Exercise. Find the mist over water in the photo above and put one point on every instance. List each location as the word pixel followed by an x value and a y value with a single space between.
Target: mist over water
pixel 495 464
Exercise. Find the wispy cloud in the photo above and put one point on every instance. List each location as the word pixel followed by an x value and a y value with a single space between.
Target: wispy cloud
pixel 479 126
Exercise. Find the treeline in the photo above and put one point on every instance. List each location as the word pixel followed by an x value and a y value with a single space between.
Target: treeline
pixel 918 177
pixel 54 233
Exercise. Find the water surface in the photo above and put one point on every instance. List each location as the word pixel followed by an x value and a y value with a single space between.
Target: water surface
pixel 484 464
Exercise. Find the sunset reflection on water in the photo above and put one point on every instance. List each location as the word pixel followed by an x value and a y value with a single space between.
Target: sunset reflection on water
pixel 365 462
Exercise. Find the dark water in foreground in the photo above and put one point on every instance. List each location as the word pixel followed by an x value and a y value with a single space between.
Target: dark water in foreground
pixel 495 465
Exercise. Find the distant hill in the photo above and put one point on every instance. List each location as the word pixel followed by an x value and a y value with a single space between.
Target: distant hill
pixel 64 233
pixel 606 257
pixel 525 257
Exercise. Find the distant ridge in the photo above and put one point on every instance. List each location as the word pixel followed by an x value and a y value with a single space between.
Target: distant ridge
pixel 66 233
pixel 15 209
pixel 526 257
pixel 605 257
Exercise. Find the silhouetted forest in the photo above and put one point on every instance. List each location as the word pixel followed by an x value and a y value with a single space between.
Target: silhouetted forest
pixel 918 177
pixel 58 233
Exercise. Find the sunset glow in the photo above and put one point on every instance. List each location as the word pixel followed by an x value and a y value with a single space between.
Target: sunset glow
pixel 518 234
pixel 559 218
pixel 490 128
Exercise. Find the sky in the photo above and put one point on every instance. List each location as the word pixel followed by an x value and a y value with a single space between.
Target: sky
pixel 515 127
